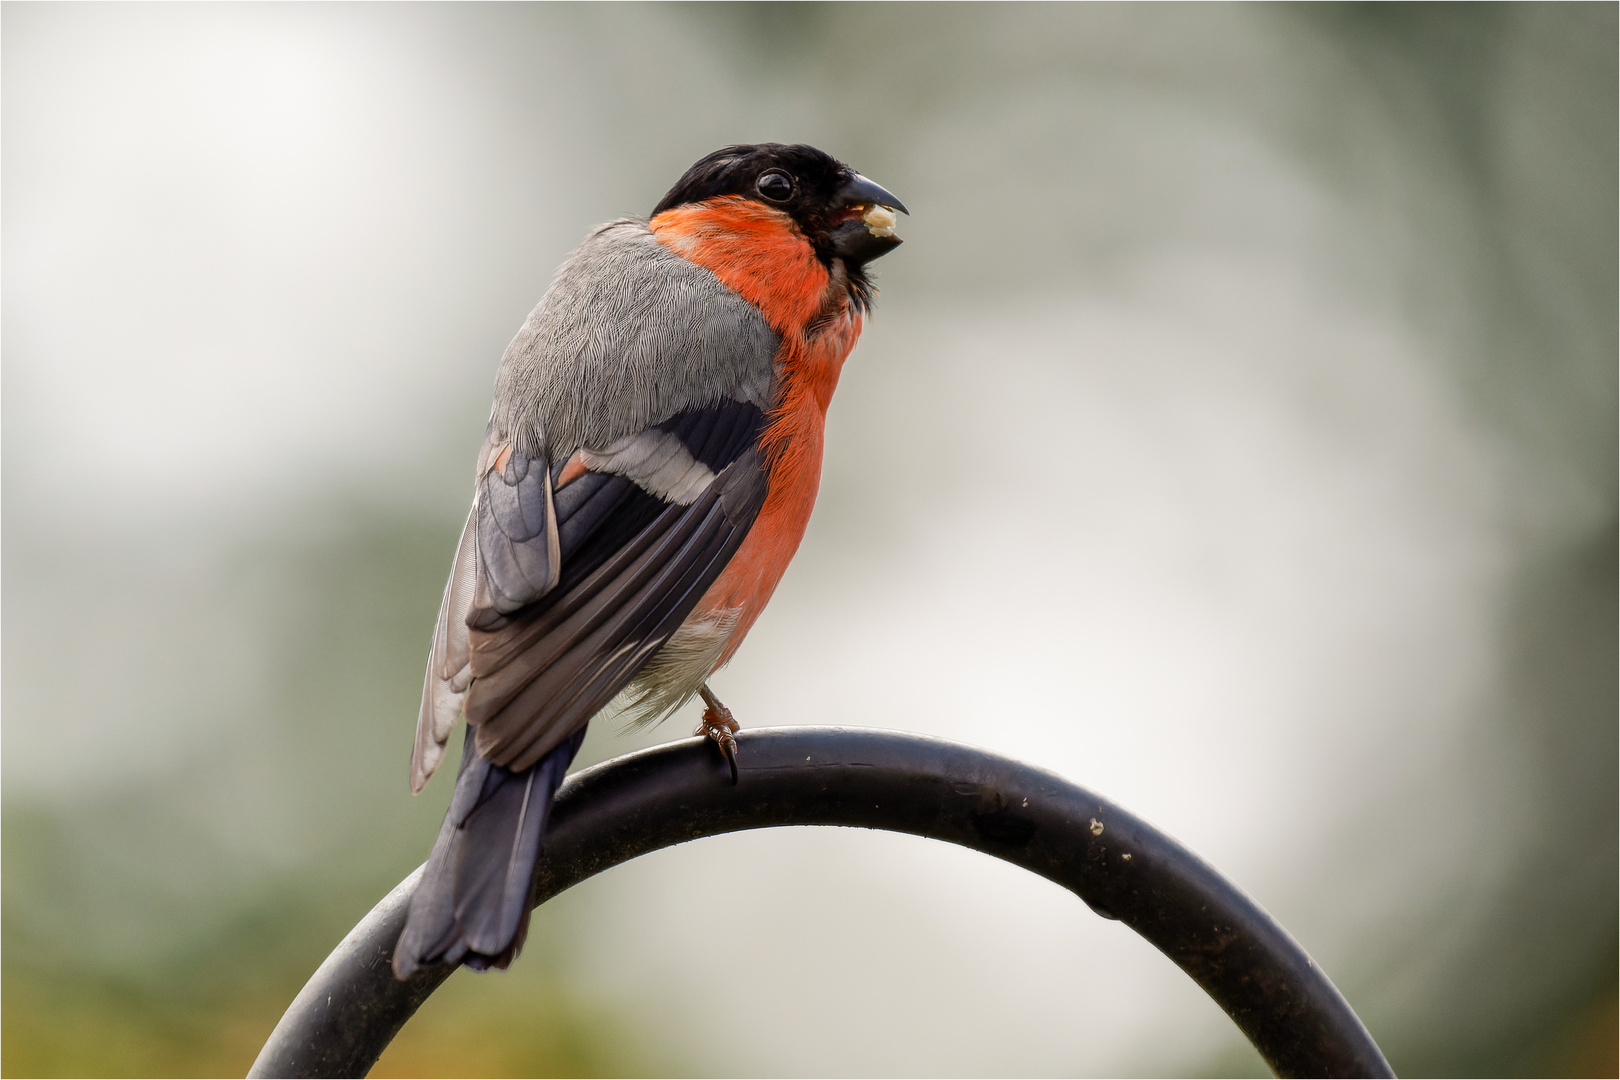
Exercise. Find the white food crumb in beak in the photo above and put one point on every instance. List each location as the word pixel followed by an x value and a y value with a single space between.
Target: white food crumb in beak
pixel 879 221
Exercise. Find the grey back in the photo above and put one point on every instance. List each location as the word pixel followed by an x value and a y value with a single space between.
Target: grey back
pixel 628 334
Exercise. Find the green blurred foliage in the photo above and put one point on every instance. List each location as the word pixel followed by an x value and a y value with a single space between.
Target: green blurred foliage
pixel 136 942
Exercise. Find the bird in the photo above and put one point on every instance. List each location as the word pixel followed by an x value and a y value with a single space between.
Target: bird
pixel 650 464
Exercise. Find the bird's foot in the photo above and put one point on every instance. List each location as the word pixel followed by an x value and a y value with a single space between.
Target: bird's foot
pixel 718 724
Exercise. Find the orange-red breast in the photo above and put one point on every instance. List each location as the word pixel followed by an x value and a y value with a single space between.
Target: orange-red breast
pixel 651 461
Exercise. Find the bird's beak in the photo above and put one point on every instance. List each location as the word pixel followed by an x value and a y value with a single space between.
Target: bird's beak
pixel 862 192
pixel 861 239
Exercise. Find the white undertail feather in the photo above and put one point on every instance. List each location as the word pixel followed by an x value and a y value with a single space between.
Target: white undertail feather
pixel 677 671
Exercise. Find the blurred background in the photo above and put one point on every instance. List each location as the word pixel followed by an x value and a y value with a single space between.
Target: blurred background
pixel 1265 354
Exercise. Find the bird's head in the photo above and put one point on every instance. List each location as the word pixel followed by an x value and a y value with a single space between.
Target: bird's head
pixel 840 212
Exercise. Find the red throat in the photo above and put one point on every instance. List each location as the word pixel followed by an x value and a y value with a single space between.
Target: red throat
pixel 760 254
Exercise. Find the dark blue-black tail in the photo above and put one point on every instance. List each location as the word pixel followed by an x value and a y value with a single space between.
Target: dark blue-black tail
pixel 472 906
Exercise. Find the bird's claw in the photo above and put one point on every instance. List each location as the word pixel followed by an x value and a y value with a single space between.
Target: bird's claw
pixel 719 725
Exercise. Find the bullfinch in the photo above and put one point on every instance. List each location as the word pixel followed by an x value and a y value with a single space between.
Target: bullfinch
pixel 649 468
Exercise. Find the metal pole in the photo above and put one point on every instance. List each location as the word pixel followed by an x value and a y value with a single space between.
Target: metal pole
pixel 1122 867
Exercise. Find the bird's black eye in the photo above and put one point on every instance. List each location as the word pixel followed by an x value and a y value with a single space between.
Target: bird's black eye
pixel 775 186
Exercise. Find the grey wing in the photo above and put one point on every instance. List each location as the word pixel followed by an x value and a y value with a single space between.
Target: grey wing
pixel 449 670
pixel 640 547
pixel 574 588
pixel 509 556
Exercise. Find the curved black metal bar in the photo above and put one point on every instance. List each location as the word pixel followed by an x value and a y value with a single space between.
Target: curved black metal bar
pixel 1121 866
